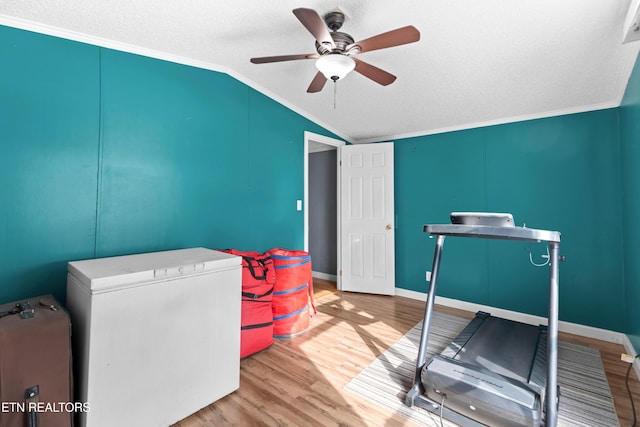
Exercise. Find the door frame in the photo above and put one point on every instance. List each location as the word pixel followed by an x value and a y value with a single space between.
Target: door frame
pixel 321 139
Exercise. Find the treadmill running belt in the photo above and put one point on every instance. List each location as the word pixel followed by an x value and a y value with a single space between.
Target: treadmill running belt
pixel 502 346
pixel 492 372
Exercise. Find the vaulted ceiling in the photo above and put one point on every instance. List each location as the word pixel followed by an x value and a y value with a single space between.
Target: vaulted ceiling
pixel 477 62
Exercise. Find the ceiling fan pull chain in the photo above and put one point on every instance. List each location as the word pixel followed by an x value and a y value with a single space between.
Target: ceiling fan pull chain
pixel 335 90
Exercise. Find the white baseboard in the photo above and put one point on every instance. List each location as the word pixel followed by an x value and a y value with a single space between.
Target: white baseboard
pixel 325 276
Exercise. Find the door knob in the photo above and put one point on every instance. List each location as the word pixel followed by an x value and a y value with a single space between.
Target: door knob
pixel 388 227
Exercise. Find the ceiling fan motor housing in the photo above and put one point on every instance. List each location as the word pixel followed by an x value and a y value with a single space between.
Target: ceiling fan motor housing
pixel 341 41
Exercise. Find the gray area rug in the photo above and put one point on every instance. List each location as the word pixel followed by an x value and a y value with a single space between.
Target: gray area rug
pixel 585 397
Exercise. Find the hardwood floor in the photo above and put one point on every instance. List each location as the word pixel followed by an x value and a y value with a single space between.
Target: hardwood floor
pixel 299 381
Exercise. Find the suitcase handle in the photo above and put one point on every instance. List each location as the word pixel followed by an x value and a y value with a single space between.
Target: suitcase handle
pixel 31 398
pixel 24 308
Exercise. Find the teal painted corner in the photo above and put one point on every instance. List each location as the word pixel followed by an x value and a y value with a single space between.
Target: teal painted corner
pixel 630 154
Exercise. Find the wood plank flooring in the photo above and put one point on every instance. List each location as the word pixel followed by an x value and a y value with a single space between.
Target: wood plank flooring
pixel 299 381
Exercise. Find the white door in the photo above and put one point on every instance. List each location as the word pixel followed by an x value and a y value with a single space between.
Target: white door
pixel 367 218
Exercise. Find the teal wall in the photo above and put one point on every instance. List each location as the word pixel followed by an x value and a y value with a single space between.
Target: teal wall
pixel 560 173
pixel 630 142
pixel 106 153
pixel 49 140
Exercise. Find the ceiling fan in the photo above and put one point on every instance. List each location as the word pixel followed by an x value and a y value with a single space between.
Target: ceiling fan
pixel 336 50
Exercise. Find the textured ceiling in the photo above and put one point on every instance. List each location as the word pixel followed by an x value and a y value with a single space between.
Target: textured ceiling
pixel 477 63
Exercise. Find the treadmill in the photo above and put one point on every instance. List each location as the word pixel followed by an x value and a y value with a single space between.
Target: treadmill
pixel 496 372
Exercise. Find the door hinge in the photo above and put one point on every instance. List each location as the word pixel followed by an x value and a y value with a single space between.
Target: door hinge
pixel 340 273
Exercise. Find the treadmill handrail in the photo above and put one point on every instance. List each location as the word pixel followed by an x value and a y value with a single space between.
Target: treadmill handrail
pixel 491 232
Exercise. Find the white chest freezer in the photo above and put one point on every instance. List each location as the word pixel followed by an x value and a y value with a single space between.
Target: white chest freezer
pixel 156 336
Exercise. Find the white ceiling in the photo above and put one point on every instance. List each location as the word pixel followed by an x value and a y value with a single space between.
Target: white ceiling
pixel 479 62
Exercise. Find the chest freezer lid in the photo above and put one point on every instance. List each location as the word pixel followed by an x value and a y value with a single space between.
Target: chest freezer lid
pixel 111 273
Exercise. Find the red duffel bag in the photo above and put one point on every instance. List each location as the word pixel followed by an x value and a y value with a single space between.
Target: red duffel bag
pixel 256 324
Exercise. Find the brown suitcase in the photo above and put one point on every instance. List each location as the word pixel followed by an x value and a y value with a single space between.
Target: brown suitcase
pixel 35 364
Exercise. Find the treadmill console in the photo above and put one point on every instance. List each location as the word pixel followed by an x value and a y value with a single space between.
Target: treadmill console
pixel 482 218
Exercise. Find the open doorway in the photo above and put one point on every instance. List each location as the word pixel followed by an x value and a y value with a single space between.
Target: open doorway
pixel 321 206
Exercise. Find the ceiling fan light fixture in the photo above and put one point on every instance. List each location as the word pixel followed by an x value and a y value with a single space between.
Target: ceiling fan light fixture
pixel 335 66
